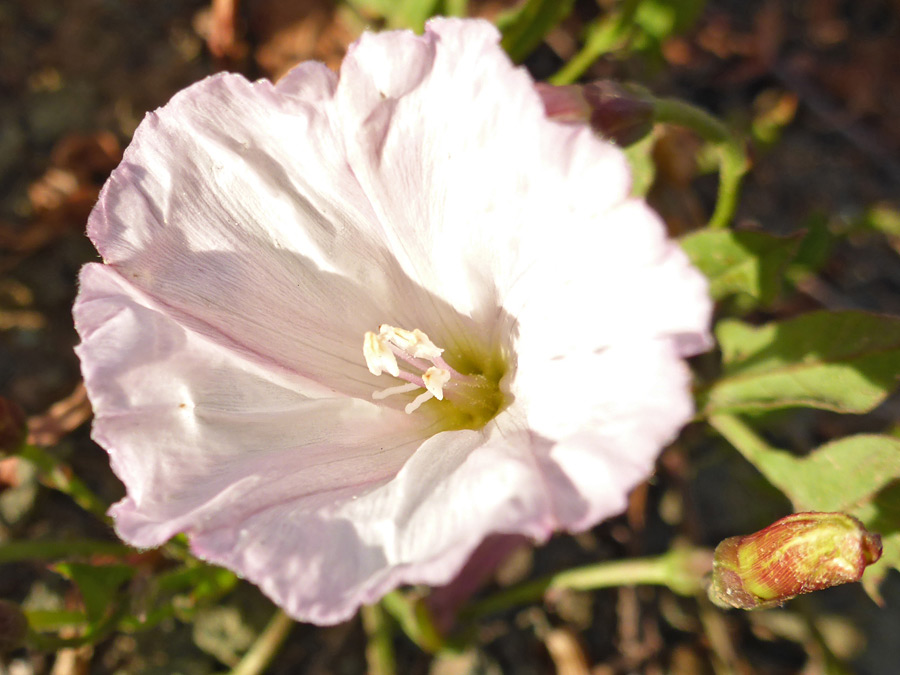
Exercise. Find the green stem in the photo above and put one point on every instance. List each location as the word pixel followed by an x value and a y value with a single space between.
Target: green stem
pixel 603 36
pixel 15 551
pixel 733 162
pixel 54 620
pixel 58 475
pixel 266 646
pixel 380 645
pixel 414 620
pixel 742 437
pixel 777 466
pixel 681 570
pixel 456 7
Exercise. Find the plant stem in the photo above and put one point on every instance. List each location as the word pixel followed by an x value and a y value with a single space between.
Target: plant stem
pixel 414 620
pixel 743 438
pixel 14 551
pixel 456 7
pixel 380 645
pixel 265 648
pixel 58 475
pixel 681 570
pixel 603 36
pixel 733 162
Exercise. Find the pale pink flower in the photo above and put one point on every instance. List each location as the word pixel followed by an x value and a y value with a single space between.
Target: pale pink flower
pixel 257 237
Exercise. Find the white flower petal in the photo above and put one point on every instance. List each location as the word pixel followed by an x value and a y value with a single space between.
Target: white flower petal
pixel 255 233
pixel 321 563
pixel 202 438
pixel 468 197
pixel 231 212
pixel 621 280
pixel 605 417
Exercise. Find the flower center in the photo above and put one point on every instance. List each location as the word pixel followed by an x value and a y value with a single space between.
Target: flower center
pixel 470 399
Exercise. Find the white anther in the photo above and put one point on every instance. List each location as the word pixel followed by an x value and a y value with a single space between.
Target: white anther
pixel 435 379
pixel 379 356
pixel 414 342
pixel 382 351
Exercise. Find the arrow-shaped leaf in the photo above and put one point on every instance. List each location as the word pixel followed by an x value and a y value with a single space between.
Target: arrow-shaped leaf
pixel 843 361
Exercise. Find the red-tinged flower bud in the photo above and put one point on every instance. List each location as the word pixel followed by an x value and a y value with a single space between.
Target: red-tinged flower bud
pixel 12 426
pixel 566 103
pixel 13 626
pixel 800 553
pixel 611 110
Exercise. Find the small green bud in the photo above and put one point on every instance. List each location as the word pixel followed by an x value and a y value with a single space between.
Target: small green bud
pixel 13 427
pixel 610 109
pixel 13 626
pixel 798 554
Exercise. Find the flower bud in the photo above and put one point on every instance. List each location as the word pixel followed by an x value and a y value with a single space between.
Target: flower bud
pixel 800 553
pixel 12 426
pixel 610 109
pixel 13 626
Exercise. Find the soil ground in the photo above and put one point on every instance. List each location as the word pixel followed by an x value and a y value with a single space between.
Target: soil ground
pixel 76 77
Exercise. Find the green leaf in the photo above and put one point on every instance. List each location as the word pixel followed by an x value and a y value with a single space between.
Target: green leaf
pixel 752 263
pixel 98 584
pixel 661 19
pixel 524 27
pixel 413 13
pixel 814 250
pixel 455 8
pixel 839 476
pixel 882 218
pixel 843 361
pixel 859 475
pixel 53 620
pixel 398 13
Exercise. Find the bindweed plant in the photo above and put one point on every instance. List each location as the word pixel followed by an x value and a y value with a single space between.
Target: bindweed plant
pixel 358 337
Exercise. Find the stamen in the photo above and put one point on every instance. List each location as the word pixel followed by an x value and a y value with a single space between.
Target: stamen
pixel 410 355
pixel 423 366
pixel 417 401
pixel 399 389
pixel 435 379
pixel 414 342
pixel 379 356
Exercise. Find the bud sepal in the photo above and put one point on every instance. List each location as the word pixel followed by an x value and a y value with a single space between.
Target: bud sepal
pixel 612 110
pixel 801 553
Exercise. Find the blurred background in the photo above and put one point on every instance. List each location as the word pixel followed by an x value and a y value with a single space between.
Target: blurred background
pixel 812 85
